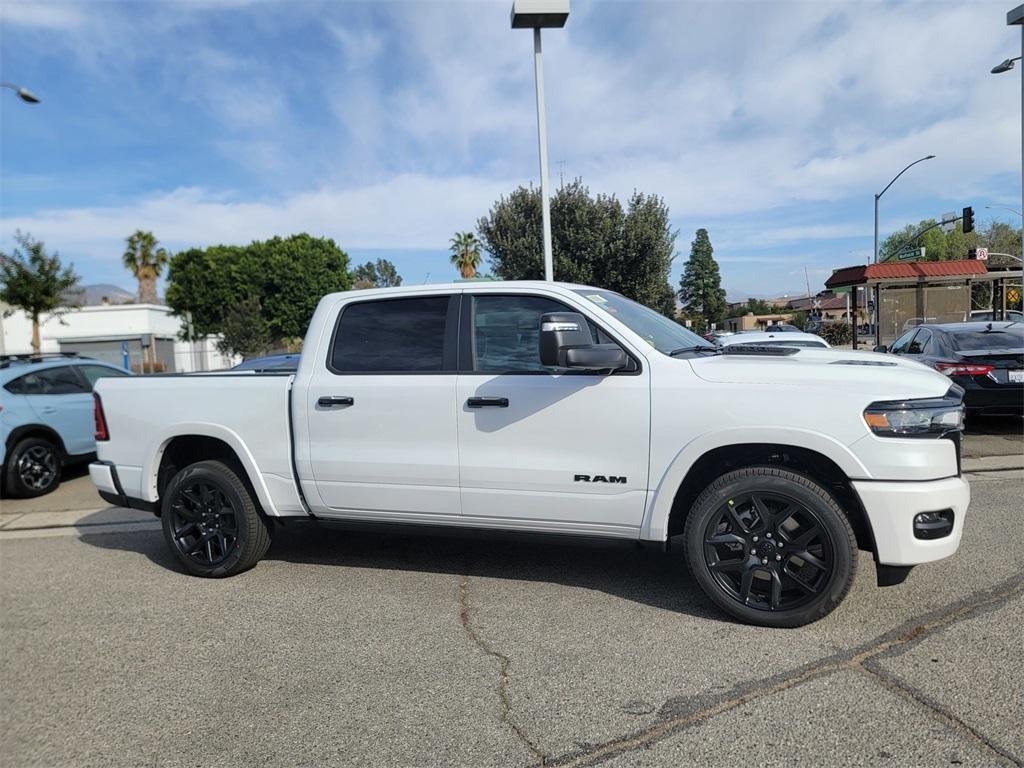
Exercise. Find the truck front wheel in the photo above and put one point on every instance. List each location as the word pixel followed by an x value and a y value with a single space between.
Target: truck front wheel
pixel 770 547
pixel 211 522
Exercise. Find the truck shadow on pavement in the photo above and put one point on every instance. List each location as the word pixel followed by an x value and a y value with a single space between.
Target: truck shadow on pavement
pixel 620 569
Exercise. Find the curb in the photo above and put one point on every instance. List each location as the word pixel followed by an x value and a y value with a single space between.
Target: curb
pixel 986 463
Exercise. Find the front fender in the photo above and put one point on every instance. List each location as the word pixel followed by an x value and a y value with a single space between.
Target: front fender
pixel 659 505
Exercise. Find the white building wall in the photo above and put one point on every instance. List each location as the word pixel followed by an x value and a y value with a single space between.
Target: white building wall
pixel 112 322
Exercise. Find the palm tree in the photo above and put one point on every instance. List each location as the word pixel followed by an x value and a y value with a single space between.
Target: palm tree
pixel 466 253
pixel 146 261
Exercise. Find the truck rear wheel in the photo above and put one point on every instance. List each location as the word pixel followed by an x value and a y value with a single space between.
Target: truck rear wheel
pixel 211 522
pixel 770 547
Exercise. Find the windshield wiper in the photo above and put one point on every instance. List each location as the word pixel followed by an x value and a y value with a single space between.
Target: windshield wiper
pixel 697 348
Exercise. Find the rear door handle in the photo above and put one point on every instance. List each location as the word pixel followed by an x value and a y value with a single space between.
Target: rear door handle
pixel 332 400
pixel 487 402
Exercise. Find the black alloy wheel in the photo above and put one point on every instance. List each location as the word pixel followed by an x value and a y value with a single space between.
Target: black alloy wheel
pixel 770 547
pixel 37 468
pixel 768 551
pixel 204 523
pixel 33 468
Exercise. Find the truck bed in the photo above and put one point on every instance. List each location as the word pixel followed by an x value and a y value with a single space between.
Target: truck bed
pixel 251 415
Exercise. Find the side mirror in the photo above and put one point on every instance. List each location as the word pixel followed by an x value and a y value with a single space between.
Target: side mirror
pixel 881 348
pixel 565 342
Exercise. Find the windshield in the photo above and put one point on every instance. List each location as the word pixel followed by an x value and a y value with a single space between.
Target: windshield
pixel 998 338
pixel 657 330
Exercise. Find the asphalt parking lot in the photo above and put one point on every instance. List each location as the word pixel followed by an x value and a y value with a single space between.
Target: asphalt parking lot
pixel 345 648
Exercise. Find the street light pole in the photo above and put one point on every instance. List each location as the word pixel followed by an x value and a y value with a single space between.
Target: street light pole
pixel 542 141
pixel 1016 17
pixel 537 15
pixel 879 197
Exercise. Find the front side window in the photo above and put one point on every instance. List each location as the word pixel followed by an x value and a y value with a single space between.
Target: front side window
pixel 391 336
pixel 663 334
pixel 505 332
pixel 901 343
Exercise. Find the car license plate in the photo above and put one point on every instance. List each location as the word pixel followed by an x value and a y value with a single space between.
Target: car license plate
pixel 1017 377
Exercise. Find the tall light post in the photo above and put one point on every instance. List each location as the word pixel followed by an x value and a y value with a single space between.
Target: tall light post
pixel 1016 16
pixel 879 196
pixel 1005 208
pixel 23 93
pixel 537 15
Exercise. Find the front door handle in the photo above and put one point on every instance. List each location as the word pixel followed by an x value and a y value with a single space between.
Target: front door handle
pixel 332 400
pixel 487 402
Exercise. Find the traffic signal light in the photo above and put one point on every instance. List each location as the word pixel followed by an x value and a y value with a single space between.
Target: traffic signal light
pixel 968 219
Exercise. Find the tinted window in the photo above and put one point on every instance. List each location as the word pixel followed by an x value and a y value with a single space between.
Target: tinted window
pixel 1012 337
pixel 920 342
pixel 94 373
pixel 393 336
pixel 52 381
pixel 901 343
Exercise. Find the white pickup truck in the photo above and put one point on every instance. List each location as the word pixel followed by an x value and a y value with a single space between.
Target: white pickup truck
pixel 555 409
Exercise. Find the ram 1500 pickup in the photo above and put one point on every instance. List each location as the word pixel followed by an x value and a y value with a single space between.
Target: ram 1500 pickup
pixel 557 409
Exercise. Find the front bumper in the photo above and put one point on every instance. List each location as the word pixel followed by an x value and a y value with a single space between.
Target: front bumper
pixel 891 506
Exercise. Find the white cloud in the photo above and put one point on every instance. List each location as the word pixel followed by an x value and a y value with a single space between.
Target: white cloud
pixel 44 15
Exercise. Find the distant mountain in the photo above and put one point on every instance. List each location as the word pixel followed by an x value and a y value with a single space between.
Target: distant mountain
pixel 94 295
pixel 735 297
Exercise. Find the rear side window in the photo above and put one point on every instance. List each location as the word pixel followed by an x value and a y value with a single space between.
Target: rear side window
pixel 52 381
pixel 391 336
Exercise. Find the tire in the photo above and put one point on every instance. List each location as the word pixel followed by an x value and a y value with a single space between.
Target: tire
pixel 33 468
pixel 211 521
pixel 770 547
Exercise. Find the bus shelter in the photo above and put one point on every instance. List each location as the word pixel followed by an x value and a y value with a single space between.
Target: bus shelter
pixel 900 296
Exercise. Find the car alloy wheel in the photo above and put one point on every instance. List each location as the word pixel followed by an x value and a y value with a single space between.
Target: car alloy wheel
pixel 768 551
pixel 37 467
pixel 204 523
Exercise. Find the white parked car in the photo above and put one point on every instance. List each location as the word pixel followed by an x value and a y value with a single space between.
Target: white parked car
pixel 774 339
pixel 558 409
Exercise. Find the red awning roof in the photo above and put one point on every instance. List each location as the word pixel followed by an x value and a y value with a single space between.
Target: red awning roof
pixel 918 269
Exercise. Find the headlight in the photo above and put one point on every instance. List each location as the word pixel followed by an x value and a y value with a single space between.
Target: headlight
pixel 933 417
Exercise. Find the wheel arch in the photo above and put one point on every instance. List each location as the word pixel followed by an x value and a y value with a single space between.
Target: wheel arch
pixel 204 442
pixel 680 490
pixel 35 430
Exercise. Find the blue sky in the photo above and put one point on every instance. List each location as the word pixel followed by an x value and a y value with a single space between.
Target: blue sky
pixel 390 125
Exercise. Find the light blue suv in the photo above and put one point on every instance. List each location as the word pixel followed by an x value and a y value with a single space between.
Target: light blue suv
pixel 46 418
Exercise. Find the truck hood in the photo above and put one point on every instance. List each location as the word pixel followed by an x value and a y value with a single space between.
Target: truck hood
pixel 881 376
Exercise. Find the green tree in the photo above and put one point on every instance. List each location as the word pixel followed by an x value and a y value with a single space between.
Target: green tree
pixel 700 288
pixel 595 240
pixel 145 260
pixel 751 305
pixel 376 274
pixel 244 330
pixel 35 282
pixel 285 276
pixel 997 236
pixel 465 250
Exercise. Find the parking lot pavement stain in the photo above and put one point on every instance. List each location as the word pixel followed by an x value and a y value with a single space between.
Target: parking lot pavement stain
pixel 505 664
pixel 679 714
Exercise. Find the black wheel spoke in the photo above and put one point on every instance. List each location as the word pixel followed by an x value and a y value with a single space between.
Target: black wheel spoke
pixel 807 557
pixel 805 538
pixel 727 565
pixel 764 517
pixel 746 582
pixel 776 597
pixel 185 530
pixel 810 589
pixel 726 538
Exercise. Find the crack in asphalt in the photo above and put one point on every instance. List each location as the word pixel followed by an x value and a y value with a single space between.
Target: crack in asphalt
pixel 684 712
pixel 895 685
pixel 505 664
